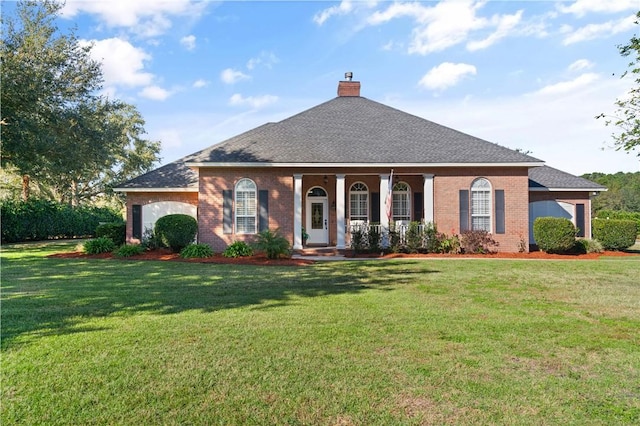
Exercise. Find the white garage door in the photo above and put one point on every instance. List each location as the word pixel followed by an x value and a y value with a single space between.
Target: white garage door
pixel 549 208
pixel 154 211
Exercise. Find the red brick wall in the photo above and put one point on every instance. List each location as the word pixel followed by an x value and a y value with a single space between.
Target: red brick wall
pixel 144 198
pixel 515 183
pixel 279 183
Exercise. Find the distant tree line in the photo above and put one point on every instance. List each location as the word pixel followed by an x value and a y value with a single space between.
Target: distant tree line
pixel 623 192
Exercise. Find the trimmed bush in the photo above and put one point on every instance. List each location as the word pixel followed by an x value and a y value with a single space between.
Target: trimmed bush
pixel 99 245
pixel 117 231
pixel 128 250
pixel 176 231
pixel 554 234
pixel 615 234
pixel 272 244
pixel 238 249
pixel 477 241
pixel 619 214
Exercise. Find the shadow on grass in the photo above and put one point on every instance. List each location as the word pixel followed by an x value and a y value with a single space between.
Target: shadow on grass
pixel 57 296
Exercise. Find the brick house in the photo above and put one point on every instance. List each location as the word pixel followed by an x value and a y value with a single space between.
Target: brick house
pixel 330 167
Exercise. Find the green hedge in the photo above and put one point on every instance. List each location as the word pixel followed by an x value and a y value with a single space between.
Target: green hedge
pixel 176 231
pixel 615 234
pixel 116 231
pixel 554 234
pixel 619 214
pixel 35 220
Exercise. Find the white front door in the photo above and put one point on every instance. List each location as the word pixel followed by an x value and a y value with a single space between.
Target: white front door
pixel 317 216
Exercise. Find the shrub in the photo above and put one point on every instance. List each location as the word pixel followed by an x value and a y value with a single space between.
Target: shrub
pixel 115 230
pixel 149 241
pixel 448 244
pixel 41 219
pixel 431 241
pixel 238 249
pixel 272 244
pixel 99 245
pixel 414 238
pixel 176 231
pixel 554 234
pixel 359 240
pixel 476 241
pixel 620 214
pixel 196 251
pixel 615 234
pixel 373 238
pixel 584 246
pixel 128 250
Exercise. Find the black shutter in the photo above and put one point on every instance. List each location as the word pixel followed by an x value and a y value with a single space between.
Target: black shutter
pixel 464 210
pixel 500 214
pixel 580 220
pixel 136 213
pixel 263 206
pixel 418 207
pixel 227 211
pixel 375 207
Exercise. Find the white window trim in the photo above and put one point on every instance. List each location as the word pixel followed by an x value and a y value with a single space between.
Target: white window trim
pixel 490 202
pixel 359 192
pixel 408 200
pixel 255 204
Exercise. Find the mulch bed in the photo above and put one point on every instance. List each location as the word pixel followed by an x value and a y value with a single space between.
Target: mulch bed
pixel 167 255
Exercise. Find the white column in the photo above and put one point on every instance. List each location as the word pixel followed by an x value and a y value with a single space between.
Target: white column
pixel 384 190
pixel 428 198
pixel 297 212
pixel 340 220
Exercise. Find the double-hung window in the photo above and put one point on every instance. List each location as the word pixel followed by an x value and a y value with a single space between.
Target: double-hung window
pixel 481 205
pixel 401 202
pixel 245 206
pixel 359 202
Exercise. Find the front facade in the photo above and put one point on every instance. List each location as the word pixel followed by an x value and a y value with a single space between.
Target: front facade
pixel 353 161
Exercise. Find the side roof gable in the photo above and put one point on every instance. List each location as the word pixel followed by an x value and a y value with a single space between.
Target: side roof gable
pixel 547 178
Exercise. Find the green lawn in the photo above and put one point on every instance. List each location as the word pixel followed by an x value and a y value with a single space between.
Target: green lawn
pixel 479 342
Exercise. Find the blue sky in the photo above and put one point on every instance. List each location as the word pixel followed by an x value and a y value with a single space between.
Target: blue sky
pixel 523 74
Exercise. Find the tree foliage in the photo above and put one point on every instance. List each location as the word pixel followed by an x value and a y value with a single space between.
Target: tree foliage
pixel 627 116
pixel 56 127
pixel 623 191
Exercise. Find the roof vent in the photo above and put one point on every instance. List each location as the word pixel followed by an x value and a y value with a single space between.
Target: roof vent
pixel 348 87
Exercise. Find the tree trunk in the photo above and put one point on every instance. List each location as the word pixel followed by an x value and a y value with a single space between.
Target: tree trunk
pixel 25 188
pixel 74 193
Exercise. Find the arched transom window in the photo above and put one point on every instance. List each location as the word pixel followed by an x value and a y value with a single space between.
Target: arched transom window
pixel 246 211
pixel 359 202
pixel 481 205
pixel 401 202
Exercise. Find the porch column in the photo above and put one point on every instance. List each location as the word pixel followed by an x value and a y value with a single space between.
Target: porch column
pixel 384 190
pixel 340 221
pixel 427 190
pixel 297 212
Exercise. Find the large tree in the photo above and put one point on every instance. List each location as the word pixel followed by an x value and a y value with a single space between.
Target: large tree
pixel 627 116
pixel 56 127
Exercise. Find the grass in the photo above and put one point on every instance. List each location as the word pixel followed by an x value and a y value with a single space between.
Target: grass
pixel 477 342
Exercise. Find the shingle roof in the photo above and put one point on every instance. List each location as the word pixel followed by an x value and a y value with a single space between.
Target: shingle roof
pixel 349 130
pixel 172 175
pixel 547 178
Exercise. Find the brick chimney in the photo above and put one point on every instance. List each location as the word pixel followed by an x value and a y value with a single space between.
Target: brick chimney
pixel 348 87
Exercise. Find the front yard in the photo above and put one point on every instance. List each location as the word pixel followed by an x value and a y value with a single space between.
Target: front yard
pixel 409 341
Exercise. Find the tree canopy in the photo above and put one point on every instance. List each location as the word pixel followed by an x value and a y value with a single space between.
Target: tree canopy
pixel 623 191
pixel 56 127
pixel 627 116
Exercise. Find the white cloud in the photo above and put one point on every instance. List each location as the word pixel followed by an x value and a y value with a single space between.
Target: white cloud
pixel 504 26
pixel 252 101
pixel 155 93
pixel 582 7
pixel 231 76
pixel 266 59
pixel 566 87
pixel 342 9
pixel 592 31
pixel 446 75
pixel 580 64
pixel 122 63
pixel 200 83
pixel 189 42
pixel 148 18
